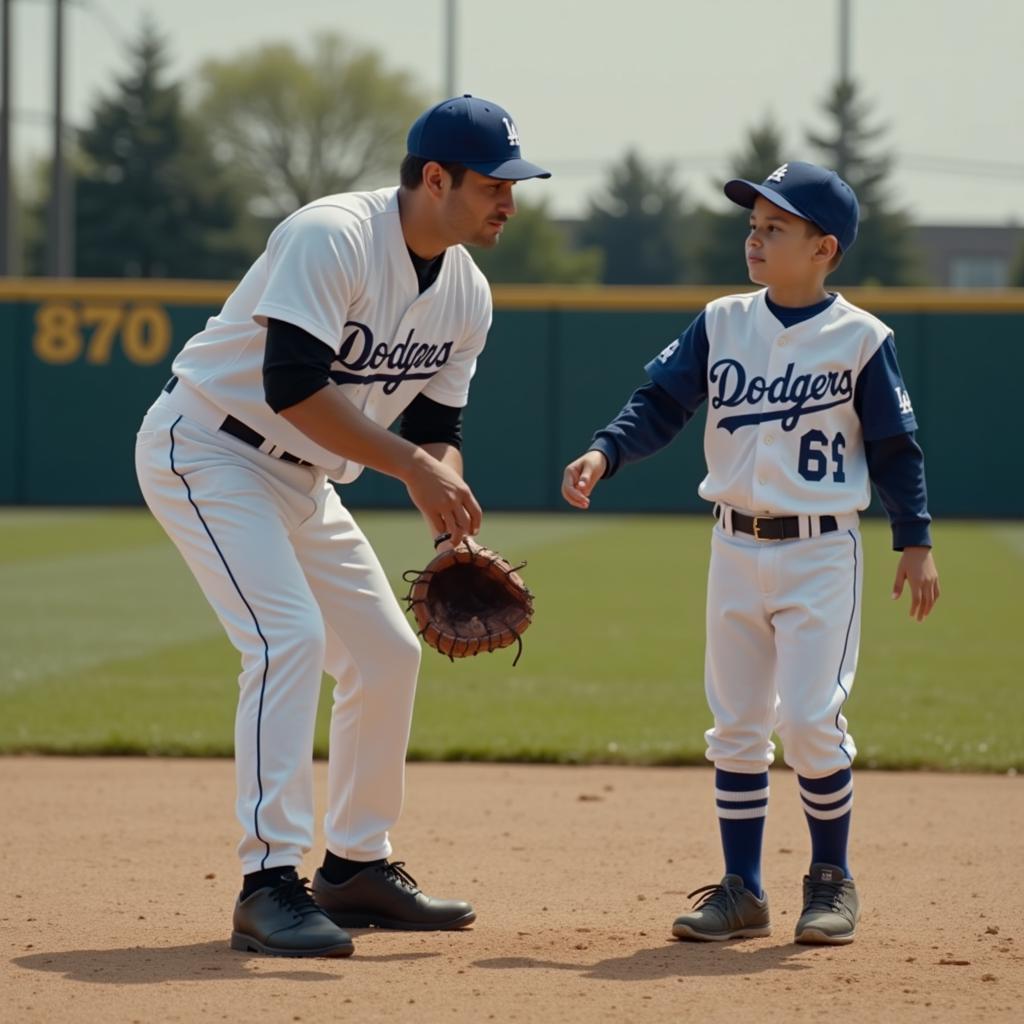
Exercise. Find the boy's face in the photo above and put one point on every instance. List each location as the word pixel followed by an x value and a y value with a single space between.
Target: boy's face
pixel 783 249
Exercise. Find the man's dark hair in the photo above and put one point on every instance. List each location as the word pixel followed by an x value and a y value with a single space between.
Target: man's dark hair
pixel 411 171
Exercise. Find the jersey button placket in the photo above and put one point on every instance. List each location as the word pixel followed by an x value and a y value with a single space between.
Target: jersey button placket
pixel 777 361
pixel 765 435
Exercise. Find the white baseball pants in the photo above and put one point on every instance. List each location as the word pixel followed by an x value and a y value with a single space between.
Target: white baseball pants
pixel 299 592
pixel 783 633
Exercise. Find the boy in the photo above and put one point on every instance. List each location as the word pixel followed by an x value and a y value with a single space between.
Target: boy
pixel 807 408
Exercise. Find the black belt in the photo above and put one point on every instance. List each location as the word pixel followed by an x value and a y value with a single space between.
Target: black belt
pixel 775 527
pixel 236 428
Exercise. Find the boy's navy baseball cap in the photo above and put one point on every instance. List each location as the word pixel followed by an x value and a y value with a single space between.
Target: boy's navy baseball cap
pixel 808 191
pixel 474 132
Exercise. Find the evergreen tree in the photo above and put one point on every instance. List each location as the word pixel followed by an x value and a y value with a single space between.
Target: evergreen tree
pixel 718 235
pixel 533 250
pixel 884 251
pixel 150 201
pixel 640 224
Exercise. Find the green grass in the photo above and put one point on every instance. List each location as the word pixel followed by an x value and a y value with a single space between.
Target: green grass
pixel 107 646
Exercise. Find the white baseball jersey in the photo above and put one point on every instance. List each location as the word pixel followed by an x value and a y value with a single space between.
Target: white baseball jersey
pixel 339 269
pixel 789 408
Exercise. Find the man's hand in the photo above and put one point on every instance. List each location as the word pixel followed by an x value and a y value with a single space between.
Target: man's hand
pixel 917 567
pixel 434 482
pixel 444 498
pixel 581 476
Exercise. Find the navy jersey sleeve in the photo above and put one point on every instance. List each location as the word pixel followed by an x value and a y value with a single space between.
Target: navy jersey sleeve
pixel 896 468
pixel 681 369
pixel 647 422
pixel 881 398
pixel 657 411
pixel 895 460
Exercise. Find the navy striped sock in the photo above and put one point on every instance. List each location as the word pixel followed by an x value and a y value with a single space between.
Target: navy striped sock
pixel 828 804
pixel 742 803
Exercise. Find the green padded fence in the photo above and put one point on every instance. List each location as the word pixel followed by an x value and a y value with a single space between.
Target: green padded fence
pixel 80 361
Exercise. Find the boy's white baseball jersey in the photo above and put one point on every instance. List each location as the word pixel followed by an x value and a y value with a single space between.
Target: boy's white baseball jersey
pixel 293 580
pixel 784 436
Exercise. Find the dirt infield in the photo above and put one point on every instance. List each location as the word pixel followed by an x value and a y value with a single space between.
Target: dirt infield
pixel 119 877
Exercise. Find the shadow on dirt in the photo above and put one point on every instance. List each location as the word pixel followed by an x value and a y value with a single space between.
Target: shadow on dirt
pixel 201 961
pixel 672 959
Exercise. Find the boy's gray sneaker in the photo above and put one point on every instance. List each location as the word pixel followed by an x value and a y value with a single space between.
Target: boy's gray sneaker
pixel 724 911
pixel 831 907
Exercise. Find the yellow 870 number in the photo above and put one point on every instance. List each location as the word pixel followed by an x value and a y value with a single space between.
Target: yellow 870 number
pixel 66 332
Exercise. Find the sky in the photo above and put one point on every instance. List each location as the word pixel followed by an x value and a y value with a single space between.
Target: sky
pixel 680 81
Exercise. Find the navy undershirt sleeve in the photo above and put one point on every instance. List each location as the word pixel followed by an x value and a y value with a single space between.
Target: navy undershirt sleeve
pixel 657 411
pixel 428 422
pixel 295 365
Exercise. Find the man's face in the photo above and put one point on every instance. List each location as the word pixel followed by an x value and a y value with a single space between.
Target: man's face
pixel 780 248
pixel 476 211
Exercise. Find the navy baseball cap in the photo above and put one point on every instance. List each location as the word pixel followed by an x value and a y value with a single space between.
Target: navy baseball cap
pixel 474 132
pixel 808 191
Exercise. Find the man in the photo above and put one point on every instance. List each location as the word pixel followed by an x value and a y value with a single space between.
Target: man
pixel 363 308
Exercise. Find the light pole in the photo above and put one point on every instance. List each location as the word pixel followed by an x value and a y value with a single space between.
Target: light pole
pixel 844 40
pixel 450 46
pixel 6 191
pixel 60 248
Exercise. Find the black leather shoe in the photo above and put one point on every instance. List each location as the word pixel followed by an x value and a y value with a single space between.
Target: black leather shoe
pixel 386 896
pixel 283 920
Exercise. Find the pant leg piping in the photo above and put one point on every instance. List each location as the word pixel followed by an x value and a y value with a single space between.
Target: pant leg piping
pixel 266 647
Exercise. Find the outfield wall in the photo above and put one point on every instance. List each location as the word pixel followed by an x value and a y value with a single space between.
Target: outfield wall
pixel 81 360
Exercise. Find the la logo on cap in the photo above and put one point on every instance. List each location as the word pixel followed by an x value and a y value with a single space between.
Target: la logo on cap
pixel 779 173
pixel 513 134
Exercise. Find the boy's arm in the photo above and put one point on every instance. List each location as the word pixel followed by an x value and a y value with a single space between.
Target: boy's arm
pixel 647 422
pixel 650 419
pixel 896 468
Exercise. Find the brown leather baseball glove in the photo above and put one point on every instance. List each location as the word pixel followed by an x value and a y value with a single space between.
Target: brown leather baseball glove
pixel 468 600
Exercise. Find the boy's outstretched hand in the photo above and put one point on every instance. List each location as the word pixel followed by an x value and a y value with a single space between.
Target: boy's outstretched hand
pixel 580 476
pixel 917 567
